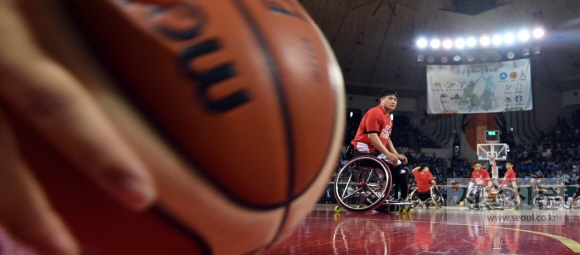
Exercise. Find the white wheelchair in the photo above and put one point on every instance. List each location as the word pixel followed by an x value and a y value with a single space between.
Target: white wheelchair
pixel 548 201
pixel 435 198
pixel 502 198
pixel 492 197
pixel 363 185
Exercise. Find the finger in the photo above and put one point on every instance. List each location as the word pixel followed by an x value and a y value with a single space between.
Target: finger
pixel 24 209
pixel 55 102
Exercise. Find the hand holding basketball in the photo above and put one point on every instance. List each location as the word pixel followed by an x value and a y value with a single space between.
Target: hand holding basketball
pixel 402 158
pixel 162 140
pixel 39 88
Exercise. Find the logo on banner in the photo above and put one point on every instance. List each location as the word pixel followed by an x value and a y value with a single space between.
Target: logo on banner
pixel 513 75
pixel 443 97
pixel 523 75
pixel 456 97
pixel 450 85
pixel 519 87
pixel 519 98
pixel 508 100
pixel 437 85
pixel 503 75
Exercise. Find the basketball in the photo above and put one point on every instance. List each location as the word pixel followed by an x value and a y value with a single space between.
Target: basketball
pixel 492 194
pixel 246 99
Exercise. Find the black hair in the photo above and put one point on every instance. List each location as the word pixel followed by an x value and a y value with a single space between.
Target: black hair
pixel 509 161
pixel 423 166
pixel 388 92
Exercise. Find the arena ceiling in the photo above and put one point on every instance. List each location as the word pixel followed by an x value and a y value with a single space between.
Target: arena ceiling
pixel 374 40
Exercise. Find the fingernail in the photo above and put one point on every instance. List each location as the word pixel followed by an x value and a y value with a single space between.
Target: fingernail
pixel 142 193
pixel 134 192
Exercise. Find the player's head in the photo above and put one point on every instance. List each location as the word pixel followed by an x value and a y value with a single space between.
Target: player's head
pixel 424 167
pixel 389 99
pixel 532 181
pixel 509 164
pixel 578 184
pixel 476 165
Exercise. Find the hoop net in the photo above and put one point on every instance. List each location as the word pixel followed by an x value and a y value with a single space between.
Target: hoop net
pixel 491 157
pixel 494 171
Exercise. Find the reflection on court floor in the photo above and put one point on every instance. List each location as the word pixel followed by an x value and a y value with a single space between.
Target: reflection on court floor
pixel 430 231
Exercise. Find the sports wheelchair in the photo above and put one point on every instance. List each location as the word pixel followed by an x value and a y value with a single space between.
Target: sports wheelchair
pixel 548 201
pixel 573 203
pixel 363 184
pixel 502 198
pixel 492 197
pixel 435 198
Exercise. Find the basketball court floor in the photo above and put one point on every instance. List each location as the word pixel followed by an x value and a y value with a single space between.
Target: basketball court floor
pixel 449 230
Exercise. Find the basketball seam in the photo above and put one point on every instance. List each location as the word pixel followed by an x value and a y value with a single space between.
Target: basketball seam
pixel 272 67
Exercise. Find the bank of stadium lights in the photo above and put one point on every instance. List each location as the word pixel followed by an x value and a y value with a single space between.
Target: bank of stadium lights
pixel 484 41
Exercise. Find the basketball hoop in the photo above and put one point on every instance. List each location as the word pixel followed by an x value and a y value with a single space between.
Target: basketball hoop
pixel 491 160
pixel 494 170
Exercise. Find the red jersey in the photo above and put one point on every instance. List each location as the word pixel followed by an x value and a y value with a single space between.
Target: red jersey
pixel 480 178
pixel 377 121
pixel 509 176
pixel 423 180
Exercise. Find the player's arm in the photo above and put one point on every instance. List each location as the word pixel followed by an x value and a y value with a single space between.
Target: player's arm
pixel 434 184
pixel 376 142
pixel 489 181
pixel 494 170
pixel 515 186
pixel 392 149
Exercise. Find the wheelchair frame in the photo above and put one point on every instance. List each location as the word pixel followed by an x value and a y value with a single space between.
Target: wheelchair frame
pixel 364 190
pixel 505 198
pixel 436 198
pixel 543 201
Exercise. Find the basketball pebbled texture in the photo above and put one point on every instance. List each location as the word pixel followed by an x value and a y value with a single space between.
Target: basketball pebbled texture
pixel 247 92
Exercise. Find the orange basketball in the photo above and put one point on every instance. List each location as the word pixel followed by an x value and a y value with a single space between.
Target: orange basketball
pixel 246 93
pixel 492 193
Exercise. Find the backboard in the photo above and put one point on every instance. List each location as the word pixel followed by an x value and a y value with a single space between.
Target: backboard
pixel 497 151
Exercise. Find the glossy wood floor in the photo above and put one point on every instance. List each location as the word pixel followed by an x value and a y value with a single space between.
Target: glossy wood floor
pixel 453 230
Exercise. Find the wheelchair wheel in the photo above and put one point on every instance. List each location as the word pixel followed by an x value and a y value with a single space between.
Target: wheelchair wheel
pixel 363 184
pixel 508 198
pixel 540 201
pixel 576 203
pixel 470 198
pixel 557 202
pixel 414 198
pixel 437 198
pixel 492 198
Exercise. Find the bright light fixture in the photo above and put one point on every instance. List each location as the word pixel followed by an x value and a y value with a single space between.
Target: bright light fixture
pixel 435 43
pixel 447 44
pixel 422 43
pixel 538 33
pixel 459 43
pixel 509 38
pixel 496 40
pixel 471 42
pixel 523 35
pixel 484 41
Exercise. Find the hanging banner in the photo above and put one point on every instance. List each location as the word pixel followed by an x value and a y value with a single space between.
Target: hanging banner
pixel 479 88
